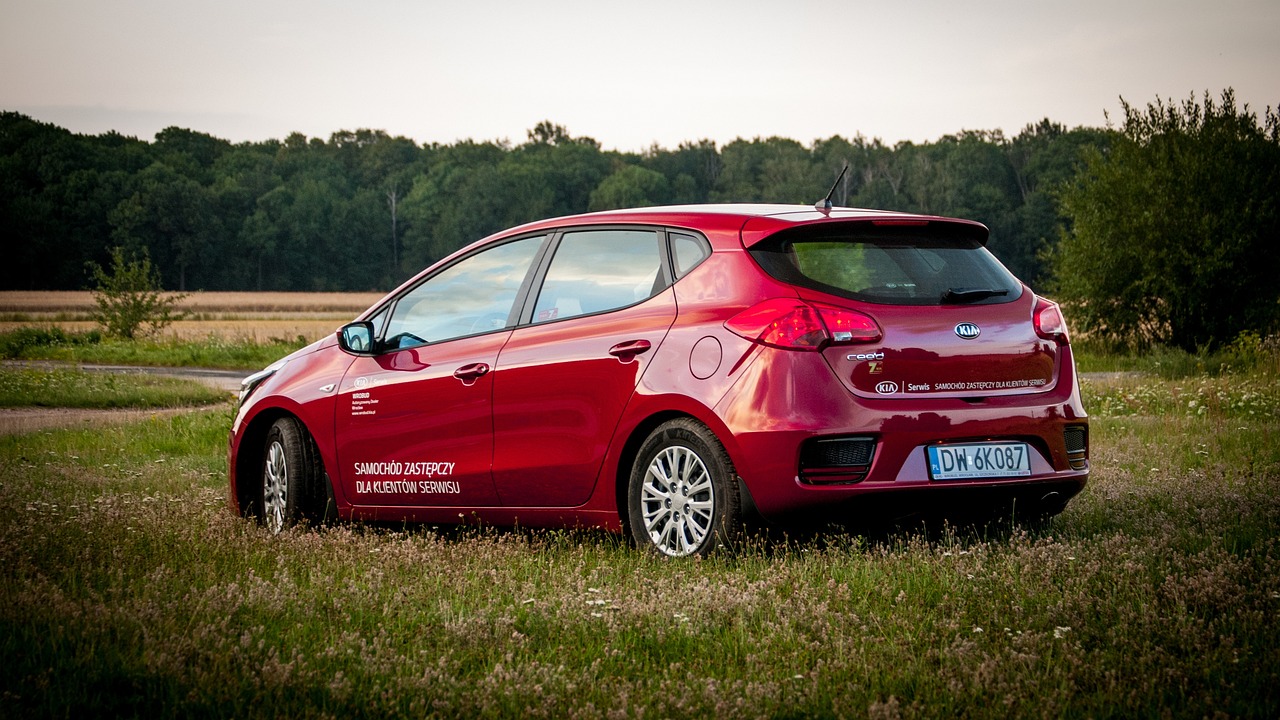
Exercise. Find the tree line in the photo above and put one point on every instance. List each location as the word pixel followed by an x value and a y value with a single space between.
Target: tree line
pixel 364 210
pixel 1162 230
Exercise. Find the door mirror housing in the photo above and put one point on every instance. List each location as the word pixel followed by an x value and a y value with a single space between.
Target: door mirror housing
pixel 357 338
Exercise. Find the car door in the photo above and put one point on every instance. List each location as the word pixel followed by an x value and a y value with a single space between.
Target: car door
pixel 414 421
pixel 599 313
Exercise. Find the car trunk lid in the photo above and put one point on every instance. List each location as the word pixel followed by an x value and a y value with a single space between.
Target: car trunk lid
pixel 963 351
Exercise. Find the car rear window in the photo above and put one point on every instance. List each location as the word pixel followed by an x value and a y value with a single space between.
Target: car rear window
pixel 919 265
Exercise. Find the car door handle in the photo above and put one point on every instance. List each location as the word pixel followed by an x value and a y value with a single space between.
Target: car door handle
pixel 628 350
pixel 470 373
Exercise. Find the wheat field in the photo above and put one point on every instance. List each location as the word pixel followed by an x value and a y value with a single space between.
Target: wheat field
pixel 227 315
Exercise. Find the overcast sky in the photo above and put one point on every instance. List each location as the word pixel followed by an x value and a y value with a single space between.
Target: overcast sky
pixel 629 74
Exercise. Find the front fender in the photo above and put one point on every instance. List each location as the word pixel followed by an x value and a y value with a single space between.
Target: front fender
pixel 305 388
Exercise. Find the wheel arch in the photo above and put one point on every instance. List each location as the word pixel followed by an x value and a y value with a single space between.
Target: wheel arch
pixel 249 457
pixel 641 431
pixel 627 459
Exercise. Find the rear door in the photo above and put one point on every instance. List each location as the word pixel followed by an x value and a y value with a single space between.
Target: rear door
pixel 595 319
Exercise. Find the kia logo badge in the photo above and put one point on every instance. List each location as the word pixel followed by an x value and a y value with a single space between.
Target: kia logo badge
pixel 888 387
pixel 968 330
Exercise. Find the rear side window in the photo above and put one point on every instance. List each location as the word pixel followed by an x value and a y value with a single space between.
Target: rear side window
pixel 596 271
pixel 687 252
pixel 929 265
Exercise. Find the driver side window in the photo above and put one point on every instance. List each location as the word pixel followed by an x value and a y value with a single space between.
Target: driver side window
pixel 471 297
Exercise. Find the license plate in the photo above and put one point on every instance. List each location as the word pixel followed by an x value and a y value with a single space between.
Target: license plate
pixel 979 460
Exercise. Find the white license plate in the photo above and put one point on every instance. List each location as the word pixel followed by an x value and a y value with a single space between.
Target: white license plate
pixel 979 460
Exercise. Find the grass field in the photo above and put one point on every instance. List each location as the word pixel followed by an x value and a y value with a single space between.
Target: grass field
pixel 129 589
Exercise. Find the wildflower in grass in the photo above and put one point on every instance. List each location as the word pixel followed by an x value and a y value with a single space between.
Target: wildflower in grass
pixel 1060 632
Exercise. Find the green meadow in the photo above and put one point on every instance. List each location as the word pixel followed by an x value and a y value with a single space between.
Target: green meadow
pixel 129 588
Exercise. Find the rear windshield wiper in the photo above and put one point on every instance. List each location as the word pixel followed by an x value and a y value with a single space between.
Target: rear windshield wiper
pixel 968 295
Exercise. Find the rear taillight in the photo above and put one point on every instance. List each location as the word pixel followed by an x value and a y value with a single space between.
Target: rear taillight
pixel 848 326
pixel 797 325
pixel 1048 321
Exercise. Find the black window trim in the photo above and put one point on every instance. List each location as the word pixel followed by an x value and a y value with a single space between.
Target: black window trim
pixel 697 237
pixel 521 314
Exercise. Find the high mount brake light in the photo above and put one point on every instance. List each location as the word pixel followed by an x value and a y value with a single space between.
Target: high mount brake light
pixel 1049 322
pixel 797 325
pixel 899 223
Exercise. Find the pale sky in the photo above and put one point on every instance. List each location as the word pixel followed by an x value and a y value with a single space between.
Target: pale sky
pixel 627 74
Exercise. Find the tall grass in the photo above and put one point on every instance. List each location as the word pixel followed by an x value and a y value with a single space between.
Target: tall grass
pixel 128 588
pixel 1249 353
pixel 52 343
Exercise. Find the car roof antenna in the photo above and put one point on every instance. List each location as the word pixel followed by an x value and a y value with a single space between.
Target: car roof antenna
pixel 824 205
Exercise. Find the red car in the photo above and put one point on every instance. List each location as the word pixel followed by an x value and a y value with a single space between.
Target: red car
pixel 668 372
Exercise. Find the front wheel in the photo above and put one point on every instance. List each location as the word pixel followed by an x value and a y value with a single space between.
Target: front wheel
pixel 291 470
pixel 682 498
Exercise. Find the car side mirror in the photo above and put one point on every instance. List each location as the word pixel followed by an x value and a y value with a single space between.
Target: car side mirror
pixel 356 338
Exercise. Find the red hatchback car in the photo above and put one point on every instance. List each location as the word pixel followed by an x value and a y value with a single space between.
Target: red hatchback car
pixel 667 372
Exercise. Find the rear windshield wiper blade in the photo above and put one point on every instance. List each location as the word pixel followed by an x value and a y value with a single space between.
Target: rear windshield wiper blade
pixel 968 295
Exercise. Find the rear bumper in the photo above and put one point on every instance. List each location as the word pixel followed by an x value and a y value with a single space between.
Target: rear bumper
pixel 787 398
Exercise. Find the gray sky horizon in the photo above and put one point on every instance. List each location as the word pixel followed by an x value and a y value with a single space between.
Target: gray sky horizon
pixel 630 77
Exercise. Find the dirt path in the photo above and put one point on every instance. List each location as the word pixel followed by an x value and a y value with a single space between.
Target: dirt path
pixel 17 421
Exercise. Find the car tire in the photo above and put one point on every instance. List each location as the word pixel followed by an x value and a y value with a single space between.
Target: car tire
pixel 292 474
pixel 682 497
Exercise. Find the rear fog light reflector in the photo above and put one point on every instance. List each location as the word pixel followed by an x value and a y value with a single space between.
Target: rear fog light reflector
pixel 1076 438
pixel 833 461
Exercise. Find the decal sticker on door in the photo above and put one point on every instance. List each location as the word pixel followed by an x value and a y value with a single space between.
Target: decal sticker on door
pixel 403 484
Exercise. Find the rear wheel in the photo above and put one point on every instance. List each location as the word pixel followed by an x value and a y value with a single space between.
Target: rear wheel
pixel 682 498
pixel 291 474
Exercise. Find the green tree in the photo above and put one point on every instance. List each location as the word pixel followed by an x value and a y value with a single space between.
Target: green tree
pixel 1043 157
pixel 171 215
pixel 455 202
pixel 771 170
pixel 243 176
pixel 692 169
pixel 1174 230
pixel 630 186
pixel 128 297
pixel 385 166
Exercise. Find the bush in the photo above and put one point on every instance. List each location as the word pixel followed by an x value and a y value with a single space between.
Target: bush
pixel 129 300
pixel 15 343
pixel 1172 232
